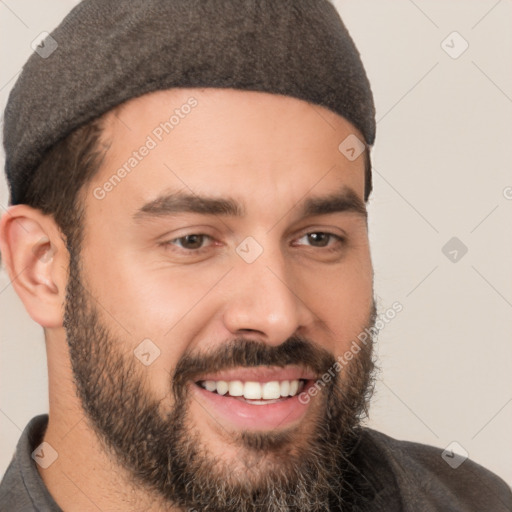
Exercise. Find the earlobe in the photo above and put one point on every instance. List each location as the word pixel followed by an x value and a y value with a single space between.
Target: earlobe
pixel 35 258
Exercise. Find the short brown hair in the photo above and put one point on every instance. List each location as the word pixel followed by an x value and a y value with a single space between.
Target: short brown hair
pixel 56 183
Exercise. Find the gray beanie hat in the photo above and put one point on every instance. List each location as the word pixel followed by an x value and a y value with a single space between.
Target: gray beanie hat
pixel 108 51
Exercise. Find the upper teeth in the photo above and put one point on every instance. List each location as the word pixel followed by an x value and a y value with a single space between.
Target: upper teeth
pixel 254 390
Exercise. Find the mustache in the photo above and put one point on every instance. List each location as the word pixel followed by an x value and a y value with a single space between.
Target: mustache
pixel 247 353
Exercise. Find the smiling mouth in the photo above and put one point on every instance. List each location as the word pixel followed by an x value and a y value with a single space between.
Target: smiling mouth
pixel 253 392
pixel 230 396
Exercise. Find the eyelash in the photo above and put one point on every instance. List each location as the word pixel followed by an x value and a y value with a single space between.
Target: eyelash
pixel 337 238
pixel 172 242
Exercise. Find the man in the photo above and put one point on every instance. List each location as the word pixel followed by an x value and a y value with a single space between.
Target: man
pixel 188 225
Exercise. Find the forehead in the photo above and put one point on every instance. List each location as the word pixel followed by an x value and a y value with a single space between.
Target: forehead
pixel 222 141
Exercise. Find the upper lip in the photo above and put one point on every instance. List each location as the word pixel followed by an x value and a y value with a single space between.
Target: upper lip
pixel 260 374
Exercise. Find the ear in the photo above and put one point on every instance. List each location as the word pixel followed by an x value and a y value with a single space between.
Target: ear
pixel 36 259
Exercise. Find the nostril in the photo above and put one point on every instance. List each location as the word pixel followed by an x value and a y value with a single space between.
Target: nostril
pixel 250 331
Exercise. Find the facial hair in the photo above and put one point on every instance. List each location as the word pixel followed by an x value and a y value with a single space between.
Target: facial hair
pixel 165 454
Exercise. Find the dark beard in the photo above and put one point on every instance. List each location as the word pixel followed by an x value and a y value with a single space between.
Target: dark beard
pixel 163 452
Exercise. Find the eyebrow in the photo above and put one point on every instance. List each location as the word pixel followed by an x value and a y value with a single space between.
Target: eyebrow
pixel 345 200
pixel 179 202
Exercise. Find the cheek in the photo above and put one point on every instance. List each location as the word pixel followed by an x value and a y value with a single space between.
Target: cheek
pixel 148 298
pixel 341 295
pixel 148 308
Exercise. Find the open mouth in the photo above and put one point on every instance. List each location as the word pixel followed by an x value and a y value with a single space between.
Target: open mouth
pixel 253 392
pixel 230 397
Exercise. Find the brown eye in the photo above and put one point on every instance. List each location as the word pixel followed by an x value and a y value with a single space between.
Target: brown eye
pixel 319 239
pixel 190 242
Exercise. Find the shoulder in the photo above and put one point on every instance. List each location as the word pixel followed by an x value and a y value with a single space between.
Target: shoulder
pixel 428 481
pixel 13 492
pixel 22 488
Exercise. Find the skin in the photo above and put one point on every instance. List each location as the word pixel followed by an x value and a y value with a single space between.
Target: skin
pixel 269 153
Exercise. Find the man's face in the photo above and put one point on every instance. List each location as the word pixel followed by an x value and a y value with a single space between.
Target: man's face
pixel 233 250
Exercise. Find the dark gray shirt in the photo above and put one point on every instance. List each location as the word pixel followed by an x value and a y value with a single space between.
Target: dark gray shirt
pixel 387 475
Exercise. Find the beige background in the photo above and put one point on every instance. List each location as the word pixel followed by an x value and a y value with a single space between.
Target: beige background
pixel 442 168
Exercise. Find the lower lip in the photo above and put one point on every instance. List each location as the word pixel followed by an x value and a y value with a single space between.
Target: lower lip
pixel 241 414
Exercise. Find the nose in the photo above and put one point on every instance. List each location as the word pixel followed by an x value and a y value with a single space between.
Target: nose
pixel 264 299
